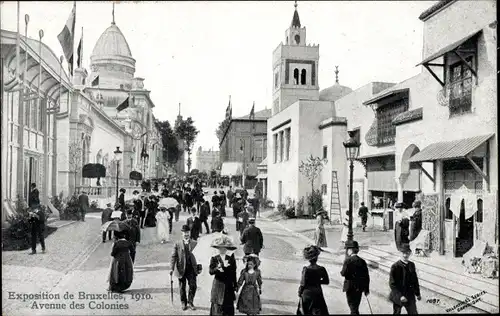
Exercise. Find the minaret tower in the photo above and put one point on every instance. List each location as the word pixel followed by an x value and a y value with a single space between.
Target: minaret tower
pixel 295 67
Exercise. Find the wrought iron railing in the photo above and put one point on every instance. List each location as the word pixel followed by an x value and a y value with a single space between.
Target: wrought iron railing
pixel 460 96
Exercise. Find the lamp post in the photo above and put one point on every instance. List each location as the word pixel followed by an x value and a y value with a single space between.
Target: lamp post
pixel 242 151
pixel 352 153
pixel 118 156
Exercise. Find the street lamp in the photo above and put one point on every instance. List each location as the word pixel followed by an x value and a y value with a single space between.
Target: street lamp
pixel 242 150
pixel 352 153
pixel 118 156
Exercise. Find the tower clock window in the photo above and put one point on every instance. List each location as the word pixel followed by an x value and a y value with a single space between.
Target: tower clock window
pixel 303 77
pixel 276 80
pixel 295 76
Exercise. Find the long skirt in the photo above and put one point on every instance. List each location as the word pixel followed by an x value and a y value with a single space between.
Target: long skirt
pixel 121 274
pixel 249 300
pixel 162 229
pixel 320 237
pixel 226 309
pixel 343 235
pixel 312 303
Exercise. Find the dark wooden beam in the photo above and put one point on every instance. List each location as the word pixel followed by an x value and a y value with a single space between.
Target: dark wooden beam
pixel 425 172
pixel 436 65
pixel 466 63
pixel 434 75
pixel 478 170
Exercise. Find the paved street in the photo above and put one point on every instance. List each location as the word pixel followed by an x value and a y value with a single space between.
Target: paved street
pixel 64 269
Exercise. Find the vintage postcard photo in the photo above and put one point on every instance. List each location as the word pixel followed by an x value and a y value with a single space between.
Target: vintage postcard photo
pixel 249 157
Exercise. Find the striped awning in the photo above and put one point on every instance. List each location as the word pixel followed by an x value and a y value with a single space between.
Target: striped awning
pixel 450 150
pixel 231 168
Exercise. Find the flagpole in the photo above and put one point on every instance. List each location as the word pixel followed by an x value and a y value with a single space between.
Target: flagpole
pixel 81 54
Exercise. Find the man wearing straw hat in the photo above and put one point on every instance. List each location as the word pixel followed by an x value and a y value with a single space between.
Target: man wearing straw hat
pixel 183 264
pixel 403 281
pixel 357 279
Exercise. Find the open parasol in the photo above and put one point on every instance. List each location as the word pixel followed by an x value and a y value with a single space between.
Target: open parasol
pixel 168 203
pixel 117 226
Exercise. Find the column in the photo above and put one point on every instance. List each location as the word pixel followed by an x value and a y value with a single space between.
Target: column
pixel 45 126
pixel 439 185
pixel 400 182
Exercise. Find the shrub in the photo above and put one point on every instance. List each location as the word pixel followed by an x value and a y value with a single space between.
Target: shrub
pixel 57 202
pixel 290 212
pixel 281 209
pixel 71 210
pixel 94 204
pixel 314 202
pixel 300 208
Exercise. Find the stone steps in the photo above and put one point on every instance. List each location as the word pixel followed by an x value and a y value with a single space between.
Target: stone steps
pixel 440 280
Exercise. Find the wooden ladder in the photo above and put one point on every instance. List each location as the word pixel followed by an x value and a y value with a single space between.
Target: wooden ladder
pixel 335 209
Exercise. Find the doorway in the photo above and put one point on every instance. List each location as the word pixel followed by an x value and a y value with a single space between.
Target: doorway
pixel 30 175
pixel 280 191
pixel 465 234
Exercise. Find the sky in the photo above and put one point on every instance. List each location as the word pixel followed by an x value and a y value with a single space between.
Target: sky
pixel 199 53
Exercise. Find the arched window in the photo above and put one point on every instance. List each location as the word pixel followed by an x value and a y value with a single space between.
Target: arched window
pixel 295 76
pixel 98 158
pixel 303 77
pixel 287 40
pixel 479 213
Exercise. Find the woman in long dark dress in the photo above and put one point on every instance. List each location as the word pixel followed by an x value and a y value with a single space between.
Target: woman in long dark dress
pixel 121 272
pixel 402 233
pixel 224 286
pixel 217 223
pixel 152 206
pixel 311 299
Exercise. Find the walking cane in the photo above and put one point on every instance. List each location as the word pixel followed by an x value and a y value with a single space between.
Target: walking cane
pixel 371 312
pixel 171 289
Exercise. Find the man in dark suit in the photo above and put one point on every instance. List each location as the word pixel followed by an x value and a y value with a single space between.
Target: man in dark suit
pixel 37 221
pixel 194 224
pixel 106 217
pixel 403 281
pixel 357 279
pixel 363 213
pixel 204 214
pixel 134 234
pixel 121 199
pixel 183 264
pixel 83 202
pixel 34 197
pixel 252 239
pixel 215 200
pixel 242 220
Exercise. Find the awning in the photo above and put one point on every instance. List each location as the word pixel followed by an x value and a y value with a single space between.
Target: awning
pixel 448 48
pixel 262 176
pixel 450 150
pixel 386 95
pixel 389 153
pixel 263 163
pixel 231 168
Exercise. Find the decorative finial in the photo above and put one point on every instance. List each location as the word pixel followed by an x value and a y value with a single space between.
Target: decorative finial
pixel 336 74
pixel 295 5
pixel 179 109
pixel 113 13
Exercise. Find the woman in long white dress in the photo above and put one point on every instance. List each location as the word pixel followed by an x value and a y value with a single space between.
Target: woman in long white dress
pixel 345 228
pixel 162 230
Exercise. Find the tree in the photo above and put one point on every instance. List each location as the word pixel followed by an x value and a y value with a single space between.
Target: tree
pixel 221 129
pixel 169 141
pixel 188 133
pixel 75 155
pixel 311 169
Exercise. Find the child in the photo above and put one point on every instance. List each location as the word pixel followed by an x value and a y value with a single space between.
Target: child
pixel 249 298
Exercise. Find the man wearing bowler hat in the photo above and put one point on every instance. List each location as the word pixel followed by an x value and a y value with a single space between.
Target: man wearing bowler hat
pixel 183 264
pixel 403 282
pixel 357 279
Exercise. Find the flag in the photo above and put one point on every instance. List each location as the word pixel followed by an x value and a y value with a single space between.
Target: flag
pixel 229 110
pixel 95 82
pixel 67 38
pixel 252 112
pixel 125 104
pixel 79 52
